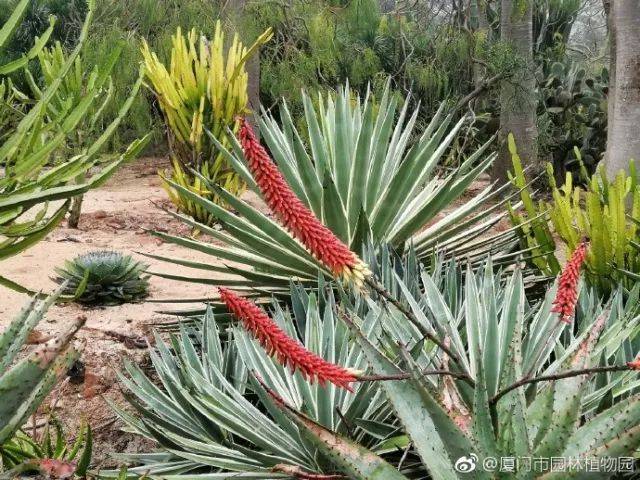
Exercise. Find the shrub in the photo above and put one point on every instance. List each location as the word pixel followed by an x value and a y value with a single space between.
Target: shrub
pixel 25 182
pixel 575 105
pixel 604 211
pixel 204 88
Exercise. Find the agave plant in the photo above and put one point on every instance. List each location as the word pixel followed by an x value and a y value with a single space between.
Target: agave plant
pixel 29 186
pixel 25 384
pixel 104 277
pixel 204 87
pixel 359 178
pixel 517 383
pixel 205 411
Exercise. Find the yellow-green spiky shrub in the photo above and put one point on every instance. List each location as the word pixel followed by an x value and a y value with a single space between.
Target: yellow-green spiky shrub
pixel 605 211
pixel 204 88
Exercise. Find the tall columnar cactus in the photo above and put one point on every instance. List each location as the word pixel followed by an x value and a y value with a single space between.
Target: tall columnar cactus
pixel 25 384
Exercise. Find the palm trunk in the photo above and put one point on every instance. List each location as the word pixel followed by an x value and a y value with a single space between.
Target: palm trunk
pixel 623 138
pixel 517 95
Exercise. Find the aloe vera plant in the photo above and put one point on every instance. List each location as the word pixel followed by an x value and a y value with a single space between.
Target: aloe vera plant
pixel 517 383
pixel 50 453
pixel 34 195
pixel 25 384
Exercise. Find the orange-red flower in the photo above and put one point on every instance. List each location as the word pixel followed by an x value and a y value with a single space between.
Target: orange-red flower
pixel 635 364
pixel 567 295
pixel 295 216
pixel 289 352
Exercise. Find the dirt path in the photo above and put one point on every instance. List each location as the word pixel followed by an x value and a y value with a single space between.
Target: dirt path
pixel 114 217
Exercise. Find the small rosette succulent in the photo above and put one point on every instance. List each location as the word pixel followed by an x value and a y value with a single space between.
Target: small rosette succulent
pixel 105 278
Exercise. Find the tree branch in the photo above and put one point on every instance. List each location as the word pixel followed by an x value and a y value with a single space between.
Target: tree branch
pixel 485 85
pixel 558 376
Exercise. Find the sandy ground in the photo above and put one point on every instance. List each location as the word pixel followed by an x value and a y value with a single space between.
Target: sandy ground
pixel 115 216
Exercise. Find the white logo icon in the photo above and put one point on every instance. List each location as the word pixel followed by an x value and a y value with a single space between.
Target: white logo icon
pixel 466 464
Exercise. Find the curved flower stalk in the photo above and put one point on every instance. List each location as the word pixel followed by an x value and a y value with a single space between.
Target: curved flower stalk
pixel 567 296
pixel 296 217
pixel 306 227
pixel 288 351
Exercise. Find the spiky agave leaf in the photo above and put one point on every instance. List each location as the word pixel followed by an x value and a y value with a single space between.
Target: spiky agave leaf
pixel 498 351
pixel 353 459
pixel 25 384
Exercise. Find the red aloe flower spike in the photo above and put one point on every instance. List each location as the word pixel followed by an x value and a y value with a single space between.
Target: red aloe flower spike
pixel 567 295
pixel 295 216
pixel 635 364
pixel 289 352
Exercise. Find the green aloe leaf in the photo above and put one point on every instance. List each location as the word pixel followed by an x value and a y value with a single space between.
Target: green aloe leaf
pixel 567 395
pixel 349 457
pixel 437 439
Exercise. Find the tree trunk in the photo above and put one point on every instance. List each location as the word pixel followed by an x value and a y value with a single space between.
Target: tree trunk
pixel 518 100
pixel 387 6
pixel 612 73
pixel 253 87
pixel 482 37
pixel 623 139
pixel 253 64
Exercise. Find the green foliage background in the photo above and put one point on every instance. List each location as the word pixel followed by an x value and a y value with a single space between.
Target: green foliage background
pixel 320 44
